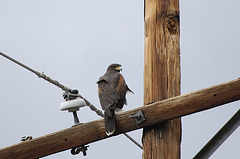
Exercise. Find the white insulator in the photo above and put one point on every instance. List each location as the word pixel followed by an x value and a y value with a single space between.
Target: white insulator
pixel 72 105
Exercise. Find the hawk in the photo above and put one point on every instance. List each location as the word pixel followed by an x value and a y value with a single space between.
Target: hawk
pixel 112 90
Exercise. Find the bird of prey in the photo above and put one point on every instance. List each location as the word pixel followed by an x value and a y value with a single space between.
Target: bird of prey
pixel 112 91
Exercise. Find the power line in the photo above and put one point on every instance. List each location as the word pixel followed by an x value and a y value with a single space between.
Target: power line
pixel 66 89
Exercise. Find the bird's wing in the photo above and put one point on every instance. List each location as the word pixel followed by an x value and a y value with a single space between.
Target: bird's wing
pixel 107 93
pixel 121 87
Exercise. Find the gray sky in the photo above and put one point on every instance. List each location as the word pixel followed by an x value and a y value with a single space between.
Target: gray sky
pixel 74 42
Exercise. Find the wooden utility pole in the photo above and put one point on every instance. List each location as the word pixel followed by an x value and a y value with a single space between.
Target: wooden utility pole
pixel 162 75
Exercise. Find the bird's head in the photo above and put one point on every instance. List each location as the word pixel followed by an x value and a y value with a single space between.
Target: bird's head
pixel 115 67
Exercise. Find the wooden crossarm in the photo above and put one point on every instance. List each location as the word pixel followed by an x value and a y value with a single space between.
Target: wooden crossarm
pixel 154 113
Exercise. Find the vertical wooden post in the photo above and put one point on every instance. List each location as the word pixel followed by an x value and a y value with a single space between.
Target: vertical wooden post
pixel 162 75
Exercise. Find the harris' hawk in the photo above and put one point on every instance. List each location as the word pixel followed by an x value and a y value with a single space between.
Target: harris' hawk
pixel 112 91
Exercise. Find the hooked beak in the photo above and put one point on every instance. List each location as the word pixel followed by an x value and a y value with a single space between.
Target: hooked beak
pixel 118 68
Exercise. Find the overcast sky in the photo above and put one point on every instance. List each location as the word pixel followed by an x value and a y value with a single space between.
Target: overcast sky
pixel 74 42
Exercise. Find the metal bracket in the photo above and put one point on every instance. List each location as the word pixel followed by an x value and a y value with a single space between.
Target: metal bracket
pixel 77 150
pixel 24 138
pixel 139 117
pixel 76 120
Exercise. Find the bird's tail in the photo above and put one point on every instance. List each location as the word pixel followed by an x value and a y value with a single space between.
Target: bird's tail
pixel 109 123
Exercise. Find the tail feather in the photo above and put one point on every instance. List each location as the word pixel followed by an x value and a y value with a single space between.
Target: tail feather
pixel 109 123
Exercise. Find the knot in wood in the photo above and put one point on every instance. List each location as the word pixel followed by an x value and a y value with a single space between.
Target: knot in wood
pixel 172 23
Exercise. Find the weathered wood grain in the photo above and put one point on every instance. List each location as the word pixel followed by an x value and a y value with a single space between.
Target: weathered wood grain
pixel 162 75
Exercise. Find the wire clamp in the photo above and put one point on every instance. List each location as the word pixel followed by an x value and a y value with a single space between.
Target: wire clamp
pixel 77 150
pixel 139 117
